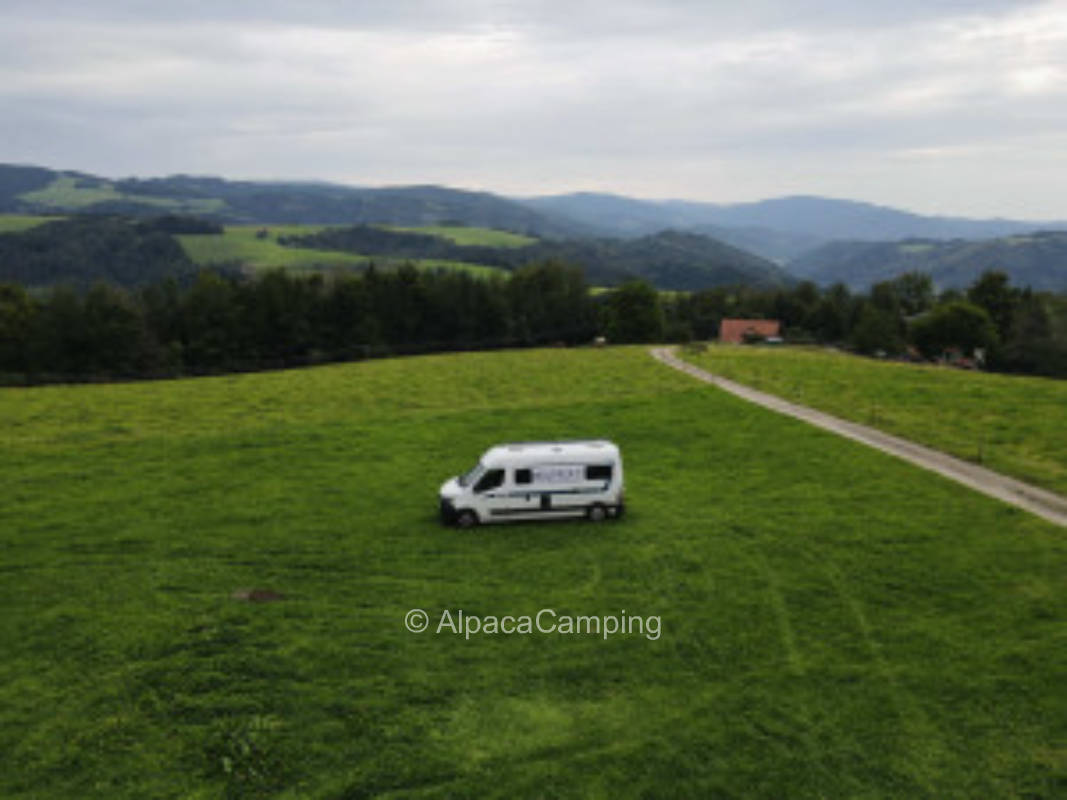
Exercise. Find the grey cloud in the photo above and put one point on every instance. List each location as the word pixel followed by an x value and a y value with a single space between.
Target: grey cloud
pixel 708 100
pixel 594 17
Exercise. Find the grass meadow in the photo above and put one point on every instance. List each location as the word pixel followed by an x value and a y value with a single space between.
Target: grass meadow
pixel 834 622
pixel 67 191
pixel 240 244
pixel 1012 424
pixel 470 236
pixel 16 223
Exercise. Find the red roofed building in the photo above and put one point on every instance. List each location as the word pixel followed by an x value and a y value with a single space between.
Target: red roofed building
pixel 734 331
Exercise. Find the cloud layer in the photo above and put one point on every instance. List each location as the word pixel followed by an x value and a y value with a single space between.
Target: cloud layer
pixel 954 107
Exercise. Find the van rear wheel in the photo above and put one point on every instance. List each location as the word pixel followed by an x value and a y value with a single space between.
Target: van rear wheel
pixel 597 513
pixel 466 519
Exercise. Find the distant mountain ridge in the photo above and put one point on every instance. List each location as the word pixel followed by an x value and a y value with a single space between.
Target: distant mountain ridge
pixel 1037 260
pixel 815 237
pixel 780 228
pixel 38 190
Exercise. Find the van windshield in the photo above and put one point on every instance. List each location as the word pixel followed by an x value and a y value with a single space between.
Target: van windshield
pixel 470 476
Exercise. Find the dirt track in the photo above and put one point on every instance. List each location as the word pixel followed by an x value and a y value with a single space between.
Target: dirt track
pixel 1043 503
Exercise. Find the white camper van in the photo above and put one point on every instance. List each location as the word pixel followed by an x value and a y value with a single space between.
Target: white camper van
pixel 535 480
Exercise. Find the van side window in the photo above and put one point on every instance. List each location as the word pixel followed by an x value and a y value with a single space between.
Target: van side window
pixel 522 476
pixel 598 473
pixel 490 480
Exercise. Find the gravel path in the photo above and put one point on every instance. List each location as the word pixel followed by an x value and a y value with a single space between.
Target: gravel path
pixel 1045 504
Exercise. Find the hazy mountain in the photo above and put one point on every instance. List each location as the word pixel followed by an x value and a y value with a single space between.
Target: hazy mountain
pixel 1038 260
pixel 614 215
pixel 668 260
pixel 775 245
pixel 36 190
pixel 847 219
pixel 780 229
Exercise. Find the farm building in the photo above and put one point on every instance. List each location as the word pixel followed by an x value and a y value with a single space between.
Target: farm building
pixel 735 331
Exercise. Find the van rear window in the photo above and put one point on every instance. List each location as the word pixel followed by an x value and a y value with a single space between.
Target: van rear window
pixel 598 472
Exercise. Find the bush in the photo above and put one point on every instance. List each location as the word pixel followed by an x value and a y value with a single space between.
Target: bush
pixel 877 331
pixel 958 324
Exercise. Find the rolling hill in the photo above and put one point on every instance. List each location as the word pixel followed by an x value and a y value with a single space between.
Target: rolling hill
pixel 131 251
pixel 1038 260
pixel 668 260
pixel 780 229
pixel 80 251
pixel 614 237
pixel 37 190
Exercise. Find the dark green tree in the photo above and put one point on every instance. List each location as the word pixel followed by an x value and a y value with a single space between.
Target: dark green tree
pixel 211 325
pixel 16 326
pixel 550 302
pixel 915 292
pixel 993 292
pixel 877 331
pixel 1033 347
pixel 959 325
pixel 632 313
pixel 116 339
pixel 58 343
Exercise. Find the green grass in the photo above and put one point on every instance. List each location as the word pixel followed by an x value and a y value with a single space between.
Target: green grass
pixel 665 294
pixel 475 270
pixel 64 192
pixel 464 236
pixel 835 623
pixel 1015 425
pixel 15 223
pixel 240 244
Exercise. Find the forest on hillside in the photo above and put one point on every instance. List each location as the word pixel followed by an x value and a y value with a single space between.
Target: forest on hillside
pixel 218 323
pixel 134 251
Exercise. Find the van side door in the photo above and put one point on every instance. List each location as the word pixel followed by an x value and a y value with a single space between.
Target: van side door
pixel 502 494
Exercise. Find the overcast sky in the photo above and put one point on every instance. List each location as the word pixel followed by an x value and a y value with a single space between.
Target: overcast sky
pixel 939 106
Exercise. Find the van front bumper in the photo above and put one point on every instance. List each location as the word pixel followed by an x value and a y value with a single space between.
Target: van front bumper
pixel 447 511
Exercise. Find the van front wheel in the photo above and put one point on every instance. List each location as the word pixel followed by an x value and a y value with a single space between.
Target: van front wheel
pixel 597 513
pixel 466 519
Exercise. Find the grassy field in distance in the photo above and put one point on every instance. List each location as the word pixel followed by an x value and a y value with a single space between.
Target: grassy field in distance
pixel 465 236
pixel 240 244
pixel 65 192
pixel 834 622
pixel 14 223
pixel 1012 424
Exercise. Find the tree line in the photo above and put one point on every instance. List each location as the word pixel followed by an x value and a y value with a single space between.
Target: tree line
pixel 1007 328
pixel 221 322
